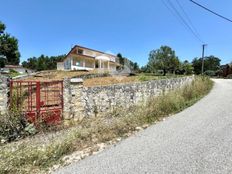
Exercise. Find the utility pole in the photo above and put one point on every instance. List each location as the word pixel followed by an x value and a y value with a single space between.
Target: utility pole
pixel 203 56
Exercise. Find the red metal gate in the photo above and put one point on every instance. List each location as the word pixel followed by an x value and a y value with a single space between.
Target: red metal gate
pixel 40 101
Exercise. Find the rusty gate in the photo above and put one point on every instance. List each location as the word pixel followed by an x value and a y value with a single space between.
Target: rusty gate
pixel 39 101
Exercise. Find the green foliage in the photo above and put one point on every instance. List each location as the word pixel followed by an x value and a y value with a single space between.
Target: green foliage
pixel 210 63
pixel 2 63
pixel 164 59
pixel 42 62
pixel 121 59
pixel 14 126
pixel 143 78
pixel 229 76
pixel 136 67
pixel 13 73
pixel 9 46
pixel 30 129
pixel 186 68
pixel 128 63
pixel 145 69
pixel 210 73
pixel 2 27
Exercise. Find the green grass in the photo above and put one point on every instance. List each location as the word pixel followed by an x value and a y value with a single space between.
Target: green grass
pixel 13 73
pixel 29 158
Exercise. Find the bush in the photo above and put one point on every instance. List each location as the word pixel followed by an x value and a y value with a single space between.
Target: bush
pixel 13 125
pixel 210 73
pixel 229 76
pixel 13 73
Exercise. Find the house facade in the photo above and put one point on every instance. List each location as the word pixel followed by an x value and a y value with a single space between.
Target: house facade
pixel 82 58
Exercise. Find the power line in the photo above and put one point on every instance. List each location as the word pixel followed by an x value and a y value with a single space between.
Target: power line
pixel 187 17
pixel 223 17
pixel 173 9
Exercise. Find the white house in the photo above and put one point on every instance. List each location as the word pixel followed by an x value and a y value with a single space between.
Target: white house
pixel 82 58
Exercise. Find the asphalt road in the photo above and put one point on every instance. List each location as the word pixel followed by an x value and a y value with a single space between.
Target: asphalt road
pixel 197 140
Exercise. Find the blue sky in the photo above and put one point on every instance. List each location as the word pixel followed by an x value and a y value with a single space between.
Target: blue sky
pixel 131 27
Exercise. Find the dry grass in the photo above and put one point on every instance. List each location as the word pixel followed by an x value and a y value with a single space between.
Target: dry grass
pixel 99 81
pixel 59 75
pixel 102 81
pixel 29 158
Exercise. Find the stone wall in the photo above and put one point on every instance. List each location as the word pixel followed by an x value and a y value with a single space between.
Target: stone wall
pixel 73 103
pixel 91 101
pixel 102 99
pixel 3 94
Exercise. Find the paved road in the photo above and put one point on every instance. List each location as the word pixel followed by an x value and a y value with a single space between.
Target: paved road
pixel 197 140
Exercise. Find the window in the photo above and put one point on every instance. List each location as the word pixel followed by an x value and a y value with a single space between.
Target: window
pixel 79 51
pixel 78 63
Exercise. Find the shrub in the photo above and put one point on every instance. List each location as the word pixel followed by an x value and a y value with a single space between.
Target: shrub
pixel 13 73
pixel 229 76
pixel 13 125
pixel 210 73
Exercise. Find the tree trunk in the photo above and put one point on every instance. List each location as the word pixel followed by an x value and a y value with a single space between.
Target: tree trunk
pixel 164 72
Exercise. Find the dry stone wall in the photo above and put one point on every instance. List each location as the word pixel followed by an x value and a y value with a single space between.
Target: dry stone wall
pixel 91 101
pixel 102 99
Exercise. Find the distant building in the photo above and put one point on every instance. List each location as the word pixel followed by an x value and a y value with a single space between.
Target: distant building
pixel 82 58
pixel 17 68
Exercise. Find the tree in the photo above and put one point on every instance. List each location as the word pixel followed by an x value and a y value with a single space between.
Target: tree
pixel 197 63
pixel 187 67
pixel 164 59
pixel 136 67
pixel 211 63
pixel 31 63
pixel 145 69
pixel 2 27
pixel 9 46
pixel 121 59
pixel 2 63
pixel 125 62
pixel 42 62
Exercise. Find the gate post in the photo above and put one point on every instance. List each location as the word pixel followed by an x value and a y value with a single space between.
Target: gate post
pixel 3 94
pixel 37 99
pixel 73 106
pixel 67 98
pixel 77 106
